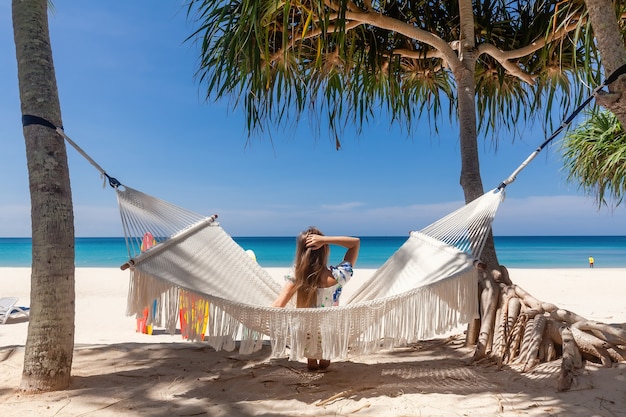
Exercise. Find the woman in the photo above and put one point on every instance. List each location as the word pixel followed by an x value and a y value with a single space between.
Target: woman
pixel 313 281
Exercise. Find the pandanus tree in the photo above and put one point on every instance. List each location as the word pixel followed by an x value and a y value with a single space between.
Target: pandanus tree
pixel 595 152
pixel 490 65
pixel 595 156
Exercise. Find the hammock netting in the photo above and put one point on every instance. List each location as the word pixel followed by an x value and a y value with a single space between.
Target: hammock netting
pixel 426 288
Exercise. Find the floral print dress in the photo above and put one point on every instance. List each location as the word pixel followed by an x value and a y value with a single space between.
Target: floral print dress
pixel 329 296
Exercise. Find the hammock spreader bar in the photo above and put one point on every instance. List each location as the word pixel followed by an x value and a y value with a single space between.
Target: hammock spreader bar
pixel 611 78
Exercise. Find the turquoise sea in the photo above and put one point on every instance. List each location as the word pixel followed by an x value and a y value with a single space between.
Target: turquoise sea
pixel 513 251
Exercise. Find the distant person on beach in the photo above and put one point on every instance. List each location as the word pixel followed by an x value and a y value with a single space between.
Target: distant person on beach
pixel 591 262
pixel 314 282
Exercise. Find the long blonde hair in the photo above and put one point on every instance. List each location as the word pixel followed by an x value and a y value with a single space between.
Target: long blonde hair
pixel 309 266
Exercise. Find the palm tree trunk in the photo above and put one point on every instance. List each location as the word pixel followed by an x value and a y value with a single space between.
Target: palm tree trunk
pixel 50 340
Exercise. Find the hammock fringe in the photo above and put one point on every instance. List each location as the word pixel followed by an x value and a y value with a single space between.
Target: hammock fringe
pixel 358 329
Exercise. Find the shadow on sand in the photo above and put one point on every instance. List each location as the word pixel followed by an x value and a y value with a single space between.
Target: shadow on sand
pixel 192 379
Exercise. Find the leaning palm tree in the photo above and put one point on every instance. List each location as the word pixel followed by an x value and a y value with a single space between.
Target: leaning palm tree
pixel 595 157
pixel 50 340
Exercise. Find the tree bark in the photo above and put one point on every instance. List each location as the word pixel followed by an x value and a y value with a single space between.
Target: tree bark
pixel 610 43
pixel 570 362
pixel 50 340
pixel 470 178
pixel 466 91
pixel 490 294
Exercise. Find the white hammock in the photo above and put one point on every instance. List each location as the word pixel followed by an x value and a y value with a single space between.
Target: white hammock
pixel 428 287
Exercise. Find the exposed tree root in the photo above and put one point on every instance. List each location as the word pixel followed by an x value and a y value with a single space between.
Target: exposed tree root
pixel 516 328
pixel 489 294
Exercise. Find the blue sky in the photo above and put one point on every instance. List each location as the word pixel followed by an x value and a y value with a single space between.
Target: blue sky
pixel 130 100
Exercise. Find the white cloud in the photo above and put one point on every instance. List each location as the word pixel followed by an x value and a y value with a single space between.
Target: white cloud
pixel 15 220
pixel 97 221
pixel 546 215
pixel 558 215
pixel 89 221
pixel 342 206
pixel 355 219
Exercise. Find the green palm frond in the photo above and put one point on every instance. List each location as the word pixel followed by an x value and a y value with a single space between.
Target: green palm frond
pixel 594 155
pixel 280 58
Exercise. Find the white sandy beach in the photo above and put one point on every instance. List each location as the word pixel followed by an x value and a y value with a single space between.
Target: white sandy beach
pixel 118 371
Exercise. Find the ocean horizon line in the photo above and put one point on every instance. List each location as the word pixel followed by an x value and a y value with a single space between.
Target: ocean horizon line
pixel 526 251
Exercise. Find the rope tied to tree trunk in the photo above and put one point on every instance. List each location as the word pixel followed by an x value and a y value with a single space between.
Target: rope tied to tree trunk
pixel 29 119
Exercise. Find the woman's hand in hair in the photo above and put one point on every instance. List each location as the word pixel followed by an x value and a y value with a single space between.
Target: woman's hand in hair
pixel 315 241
